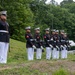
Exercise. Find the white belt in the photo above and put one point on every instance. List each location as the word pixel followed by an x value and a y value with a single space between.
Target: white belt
pixel 31 39
pixel 48 40
pixel 4 31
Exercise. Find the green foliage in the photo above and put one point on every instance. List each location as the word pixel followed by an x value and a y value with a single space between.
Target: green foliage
pixel 73 48
pixel 19 16
pixel 36 13
pixel 54 17
pixel 64 2
pixel 70 21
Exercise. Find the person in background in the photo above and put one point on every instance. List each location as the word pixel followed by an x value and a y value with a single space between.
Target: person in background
pixel 4 37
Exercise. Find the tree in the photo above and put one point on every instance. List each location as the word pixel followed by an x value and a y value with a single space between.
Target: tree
pixel 53 2
pixel 66 2
pixel 36 13
pixel 71 23
pixel 19 16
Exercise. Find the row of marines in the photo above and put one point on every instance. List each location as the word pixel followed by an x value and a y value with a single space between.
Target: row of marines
pixel 56 44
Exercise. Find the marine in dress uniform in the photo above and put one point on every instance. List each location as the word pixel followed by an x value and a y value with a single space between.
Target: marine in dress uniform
pixel 39 46
pixel 57 43
pixel 48 43
pixel 63 40
pixel 67 44
pixel 54 44
pixel 4 37
pixel 29 43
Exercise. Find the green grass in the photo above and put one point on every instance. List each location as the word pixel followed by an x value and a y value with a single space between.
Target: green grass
pixel 17 52
pixel 61 72
pixel 71 57
pixel 19 65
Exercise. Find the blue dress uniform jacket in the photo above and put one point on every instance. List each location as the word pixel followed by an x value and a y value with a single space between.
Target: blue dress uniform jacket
pixel 4 37
pixel 30 40
pixel 47 40
pixel 38 41
pixel 62 40
pixel 67 41
pixel 55 40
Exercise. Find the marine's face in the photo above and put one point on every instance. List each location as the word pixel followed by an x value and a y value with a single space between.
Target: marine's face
pixel 57 33
pixel 47 32
pixel 37 31
pixel 65 35
pixel 28 30
pixel 3 17
pixel 62 33
pixel 53 32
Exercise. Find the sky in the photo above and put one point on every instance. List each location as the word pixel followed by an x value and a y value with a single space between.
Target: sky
pixel 57 1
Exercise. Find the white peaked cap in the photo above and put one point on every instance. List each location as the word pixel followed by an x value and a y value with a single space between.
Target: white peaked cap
pixel 47 29
pixel 57 31
pixel 28 27
pixel 62 31
pixel 53 30
pixel 3 13
pixel 37 28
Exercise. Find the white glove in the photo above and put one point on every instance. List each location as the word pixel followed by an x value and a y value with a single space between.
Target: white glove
pixel 34 47
pixel 51 46
pixel 61 45
pixel 57 47
pixel 65 45
pixel 42 48
pixel 51 39
pixel 69 46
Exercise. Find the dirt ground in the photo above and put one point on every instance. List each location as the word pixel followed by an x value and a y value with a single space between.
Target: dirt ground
pixel 44 65
pixel 54 65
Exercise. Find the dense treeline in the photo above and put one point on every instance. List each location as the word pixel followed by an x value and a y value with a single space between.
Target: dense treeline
pixel 37 13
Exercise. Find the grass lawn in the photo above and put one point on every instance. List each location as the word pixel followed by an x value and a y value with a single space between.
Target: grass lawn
pixel 19 65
